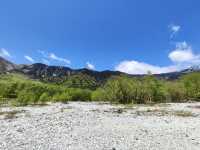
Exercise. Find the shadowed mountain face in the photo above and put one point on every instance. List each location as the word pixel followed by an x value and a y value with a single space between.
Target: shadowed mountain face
pixel 59 73
pixel 53 73
pixel 39 70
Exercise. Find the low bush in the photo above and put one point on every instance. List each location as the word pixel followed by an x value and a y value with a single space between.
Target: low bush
pixel 98 95
pixel 62 97
pixel 44 97
pixel 80 94
pixel 25 98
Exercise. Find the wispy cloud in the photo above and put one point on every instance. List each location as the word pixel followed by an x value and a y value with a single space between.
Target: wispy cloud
pixel 182 56
pixel 29 58
pixel 174 29
pixel 54 57
pixel 45 61
pixel 48 57
pixel 4 53
pixel 90 66
pixel 43 53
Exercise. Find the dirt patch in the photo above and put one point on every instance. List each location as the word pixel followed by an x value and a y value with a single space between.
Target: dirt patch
pixel 162 112
pixel 196 107
pixel 184 114
pixel 65 109
pixel 11 114
pixel 116 110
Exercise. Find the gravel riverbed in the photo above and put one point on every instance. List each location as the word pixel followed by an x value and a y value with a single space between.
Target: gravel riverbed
pixel 100 126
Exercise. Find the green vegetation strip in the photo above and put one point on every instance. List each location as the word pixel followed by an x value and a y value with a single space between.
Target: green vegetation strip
pixel 118 90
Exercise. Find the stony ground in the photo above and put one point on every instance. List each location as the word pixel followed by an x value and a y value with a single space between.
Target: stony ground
pixel 99 126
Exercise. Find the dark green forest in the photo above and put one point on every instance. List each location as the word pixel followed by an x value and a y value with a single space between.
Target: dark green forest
pixel 19 90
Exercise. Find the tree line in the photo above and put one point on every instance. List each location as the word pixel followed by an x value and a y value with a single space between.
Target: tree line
pixel 19 90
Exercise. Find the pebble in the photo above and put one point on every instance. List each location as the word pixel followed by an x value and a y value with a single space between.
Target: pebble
pixel 82 128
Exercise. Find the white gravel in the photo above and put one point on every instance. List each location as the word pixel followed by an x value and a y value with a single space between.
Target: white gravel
pixel 93 126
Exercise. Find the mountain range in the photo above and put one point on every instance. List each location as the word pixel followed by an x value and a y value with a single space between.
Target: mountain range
pixel 59 73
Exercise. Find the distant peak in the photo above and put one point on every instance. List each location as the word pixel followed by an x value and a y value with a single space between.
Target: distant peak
pixel 195 68
pixel 191 69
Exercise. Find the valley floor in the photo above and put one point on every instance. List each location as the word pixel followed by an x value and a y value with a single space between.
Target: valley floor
pixel 101 126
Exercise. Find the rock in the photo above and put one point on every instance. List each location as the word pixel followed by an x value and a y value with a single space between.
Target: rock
pixel 81 128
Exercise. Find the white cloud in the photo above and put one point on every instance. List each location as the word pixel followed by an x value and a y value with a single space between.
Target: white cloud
pixel 90 66
pixel 54 57
pixel 184 54
pixel 135 67
pixel 4 53
pixel 174 29
pixel 29 59
pixel 182 57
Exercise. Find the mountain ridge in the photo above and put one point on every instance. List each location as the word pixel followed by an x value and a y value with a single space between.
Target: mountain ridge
pixel 6 65
pixel 51 73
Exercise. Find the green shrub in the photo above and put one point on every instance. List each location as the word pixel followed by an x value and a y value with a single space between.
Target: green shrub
pixel 117 90
pixel 80 94
pixel 175 92
pixel 44 98
pixel 62 97
pixel 192 85
pixel 8 90
pixel 98 95
pixel 26 98
pixel 129 90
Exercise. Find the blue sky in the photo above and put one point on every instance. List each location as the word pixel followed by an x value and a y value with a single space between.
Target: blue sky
pixel 132 36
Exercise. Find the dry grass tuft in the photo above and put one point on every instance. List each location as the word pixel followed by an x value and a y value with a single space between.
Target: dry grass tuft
pixel 162 112
pixel 184 114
